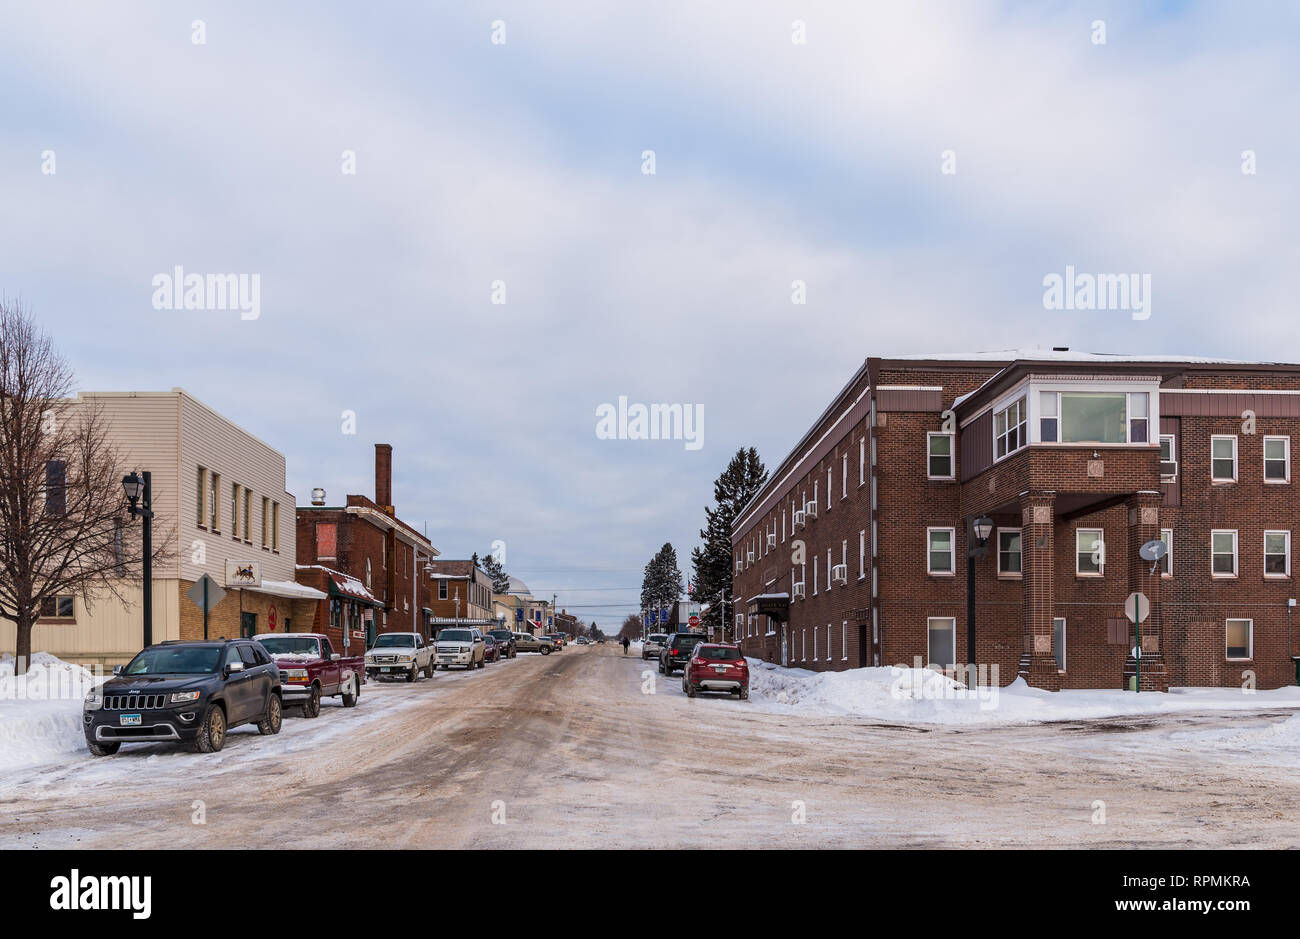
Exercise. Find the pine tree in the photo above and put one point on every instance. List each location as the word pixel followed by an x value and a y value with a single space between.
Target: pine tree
pixel 493 568
pixel 662 583
pixel 744 476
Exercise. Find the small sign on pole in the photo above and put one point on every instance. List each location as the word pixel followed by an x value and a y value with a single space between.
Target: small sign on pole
pixel 206 593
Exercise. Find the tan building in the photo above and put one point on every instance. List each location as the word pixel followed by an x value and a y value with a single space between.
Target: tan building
pixel 220 509
pixel 523 611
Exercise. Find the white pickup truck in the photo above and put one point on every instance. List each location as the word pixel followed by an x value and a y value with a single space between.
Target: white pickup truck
pixel 399 654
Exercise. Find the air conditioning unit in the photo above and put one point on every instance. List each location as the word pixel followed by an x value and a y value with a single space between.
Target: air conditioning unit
pixel 810 510
pixel 771 539
pixel 797 591
pixel 740 565
pixel 840 573
pixel 799 519
pixel 1168 470
pixel 749 555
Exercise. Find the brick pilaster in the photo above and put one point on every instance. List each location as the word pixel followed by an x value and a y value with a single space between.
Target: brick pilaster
pixel 1037 660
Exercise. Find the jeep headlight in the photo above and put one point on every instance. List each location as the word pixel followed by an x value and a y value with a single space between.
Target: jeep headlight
pixel 94 700
pixel 184 697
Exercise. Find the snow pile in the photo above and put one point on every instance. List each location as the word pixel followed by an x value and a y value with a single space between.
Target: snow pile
pixel 293 657
pixel 920 695
pixel 40 712
pixel 48 678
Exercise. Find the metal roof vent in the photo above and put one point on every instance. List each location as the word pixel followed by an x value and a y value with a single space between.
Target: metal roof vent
pixel 318 496
pixel 1060 348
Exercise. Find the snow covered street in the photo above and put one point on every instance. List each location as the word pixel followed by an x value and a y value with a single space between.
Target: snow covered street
pixel 589 748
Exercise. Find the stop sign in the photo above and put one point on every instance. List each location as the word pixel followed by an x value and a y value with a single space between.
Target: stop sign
pixel 694 621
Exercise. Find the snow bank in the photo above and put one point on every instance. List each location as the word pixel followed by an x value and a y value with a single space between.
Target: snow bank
pixel 40 712
pixel 919 695
pixel 48 678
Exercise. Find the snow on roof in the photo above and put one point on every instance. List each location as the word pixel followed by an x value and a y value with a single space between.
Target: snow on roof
pixel 1066 355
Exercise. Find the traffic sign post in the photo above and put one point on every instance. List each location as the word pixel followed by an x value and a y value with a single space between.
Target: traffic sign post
pixel 1137 608
pixel 206 593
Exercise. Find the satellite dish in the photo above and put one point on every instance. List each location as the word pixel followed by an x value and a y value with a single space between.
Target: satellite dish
pixel 1153 550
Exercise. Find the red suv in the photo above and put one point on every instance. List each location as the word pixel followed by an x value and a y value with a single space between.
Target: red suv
pixel 716 667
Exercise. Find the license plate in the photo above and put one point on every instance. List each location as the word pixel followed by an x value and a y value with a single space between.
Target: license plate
pixel 719 668
pixel 385 669
pixel 130 720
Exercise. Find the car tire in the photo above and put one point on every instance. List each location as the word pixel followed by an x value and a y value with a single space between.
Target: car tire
pixel 353 694
pixel 102 749
pixel 311 707
pixel 212 730
pixel 274 718
pixel 744 694
pixel 429 669
pixel 688 687
pixel 410 675
pixel 545 650
pixel 482 663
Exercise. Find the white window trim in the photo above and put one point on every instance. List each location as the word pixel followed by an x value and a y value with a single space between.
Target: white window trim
pixel 1023 398
pixel 1277 531
pixel 1236 568
pixel 1169 554
pixel 815 560
pixel 1173 455
pixel 1235 470
pixel 844 640
pixel 997 546
pixel 1101 572
pixel 952 454
pixel 1286 460
pixel 862 460
pixel 844 477
pixel 929 659
pixel 1250 638
pixel 862 554
pixel 1065 625
pixel 952 552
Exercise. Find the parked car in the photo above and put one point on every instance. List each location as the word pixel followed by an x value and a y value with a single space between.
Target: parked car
pixel 395 654
pixel 653 644
pixel 716 666
pixel 491 651
pixel 460 645
pixel 190 692
pixel 527 642
pixel 506 640
pixel 677 651
pixel 560 639
pixel 310 669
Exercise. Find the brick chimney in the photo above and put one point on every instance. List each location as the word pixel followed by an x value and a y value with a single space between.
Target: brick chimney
pixel 384 476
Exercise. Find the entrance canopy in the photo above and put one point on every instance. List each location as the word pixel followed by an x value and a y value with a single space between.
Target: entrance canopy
pixel 775 605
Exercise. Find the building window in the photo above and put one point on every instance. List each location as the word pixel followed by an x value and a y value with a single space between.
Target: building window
pixel 56 488
pixel 830 484
pixel 442 590
pixel 275 526
pixel 1277 459
pixel 1049 420
pixel 1009 427
pixel 1168 458
pixel 1166 564
pixel 214 499
pixel 1277 553
pixel 1138 418
pixel 266 517
pixel 939 454
pixel 1094 417
pixel 862 554
pixel 844 477
pixel 57 608
pixel 1223 553
pixel 941 548
pixel 862 460
pixel 1240 639
pixel 1058 641
pixel 248 516
pixel 844 641
pixel 803 644
pixel 234 510
pixel 815 578
pixel 1009 556
pixel 941 649
pixel 327 537
pixel 1089 552
pixel 1223 459
pixel 201 506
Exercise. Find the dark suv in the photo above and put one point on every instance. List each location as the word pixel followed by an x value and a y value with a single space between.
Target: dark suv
pixel 506 640
pixel 190 692
pixel 677 651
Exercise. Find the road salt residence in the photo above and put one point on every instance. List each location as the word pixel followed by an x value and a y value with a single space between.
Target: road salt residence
pixel 856 551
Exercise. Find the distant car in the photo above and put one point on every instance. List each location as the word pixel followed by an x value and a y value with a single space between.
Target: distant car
pixel 677 651
pixel 560 639
pixel 653 643
pixel 527 642
pixel 188 692
pixel 491 649
pixel 506 640
pixel 460 645
pixel 715 666
pixel 399 655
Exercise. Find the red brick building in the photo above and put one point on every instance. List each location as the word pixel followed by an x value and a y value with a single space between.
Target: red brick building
pixel 855 552
pixel 370 562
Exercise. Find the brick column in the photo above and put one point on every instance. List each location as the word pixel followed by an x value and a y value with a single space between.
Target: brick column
pixel 1144 526
pixel 1038 554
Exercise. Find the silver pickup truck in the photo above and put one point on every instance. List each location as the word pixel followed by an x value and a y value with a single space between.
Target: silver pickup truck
pixel 398 655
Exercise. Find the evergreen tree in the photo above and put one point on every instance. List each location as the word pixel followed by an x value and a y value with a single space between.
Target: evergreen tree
pixel 744 476
pixel 492 567
pixel 662 584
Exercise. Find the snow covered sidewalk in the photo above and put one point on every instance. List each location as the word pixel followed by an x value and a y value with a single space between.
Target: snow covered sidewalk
pixel 919 695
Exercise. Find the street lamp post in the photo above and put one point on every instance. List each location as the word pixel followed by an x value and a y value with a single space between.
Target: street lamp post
pixel 980 530
pixel 141 491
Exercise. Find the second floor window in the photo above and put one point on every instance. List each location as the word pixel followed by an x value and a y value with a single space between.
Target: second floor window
pixel 1168 458
pixel 1009 558
pixel 1089 552
pixel 939 455
pixel 1223 553
pixel 1009 428
pixel 1223 459
pixel 941 550
pixel 1277 553
pixel 1277 459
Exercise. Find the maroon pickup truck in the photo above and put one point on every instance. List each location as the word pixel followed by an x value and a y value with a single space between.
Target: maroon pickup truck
pixel 311 670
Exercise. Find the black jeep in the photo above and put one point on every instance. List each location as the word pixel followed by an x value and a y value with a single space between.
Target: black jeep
pixel 190 692
pixel 677 651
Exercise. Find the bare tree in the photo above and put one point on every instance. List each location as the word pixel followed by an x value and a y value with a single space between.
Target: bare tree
pixel 64 529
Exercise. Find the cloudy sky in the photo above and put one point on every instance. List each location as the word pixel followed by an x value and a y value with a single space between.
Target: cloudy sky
pixel 522 162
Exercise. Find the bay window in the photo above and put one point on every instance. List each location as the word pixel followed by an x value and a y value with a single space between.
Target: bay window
pixel 1009 428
